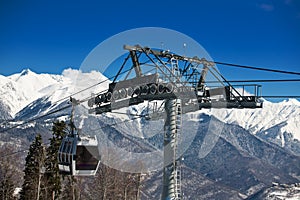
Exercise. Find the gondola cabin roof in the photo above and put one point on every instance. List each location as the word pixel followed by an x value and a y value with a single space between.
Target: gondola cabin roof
pixel 87 140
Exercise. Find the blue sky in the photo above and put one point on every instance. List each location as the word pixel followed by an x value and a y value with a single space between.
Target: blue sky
pixel 49 36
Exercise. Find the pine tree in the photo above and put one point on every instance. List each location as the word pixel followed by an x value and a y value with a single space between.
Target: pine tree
pixel 32 185
pixel 52 172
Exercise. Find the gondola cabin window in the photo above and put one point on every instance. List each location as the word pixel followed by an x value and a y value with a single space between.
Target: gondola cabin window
pixel 84 158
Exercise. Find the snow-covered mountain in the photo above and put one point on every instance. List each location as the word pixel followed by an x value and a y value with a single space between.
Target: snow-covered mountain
pixel 286 114
pixel 243 162
pixel 20 90
pixel 277 123
pixel 28 94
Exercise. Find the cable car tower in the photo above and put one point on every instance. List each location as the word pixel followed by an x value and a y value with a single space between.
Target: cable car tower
pixel 180 83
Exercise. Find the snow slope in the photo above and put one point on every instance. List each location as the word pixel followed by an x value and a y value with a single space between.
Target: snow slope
pixel 285 115
pixel 22 89
pixel 280 191
pixel 19 90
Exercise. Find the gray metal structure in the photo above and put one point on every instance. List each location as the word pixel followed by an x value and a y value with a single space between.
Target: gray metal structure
pixel 180 82
pixel 171 171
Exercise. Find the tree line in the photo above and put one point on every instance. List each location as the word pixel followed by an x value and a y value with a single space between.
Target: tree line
pixel 42 180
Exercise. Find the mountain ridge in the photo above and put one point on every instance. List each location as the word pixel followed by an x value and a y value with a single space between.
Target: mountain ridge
pixel 39 93
pixel 243 160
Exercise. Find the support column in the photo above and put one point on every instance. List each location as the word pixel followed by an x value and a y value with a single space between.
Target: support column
pixel 171 171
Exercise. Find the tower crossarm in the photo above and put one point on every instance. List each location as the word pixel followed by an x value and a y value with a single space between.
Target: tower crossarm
pixel 173 76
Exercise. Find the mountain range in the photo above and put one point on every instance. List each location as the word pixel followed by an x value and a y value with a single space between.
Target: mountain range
pixel 254 149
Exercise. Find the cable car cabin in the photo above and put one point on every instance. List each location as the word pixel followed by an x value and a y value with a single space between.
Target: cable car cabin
pixel 78 156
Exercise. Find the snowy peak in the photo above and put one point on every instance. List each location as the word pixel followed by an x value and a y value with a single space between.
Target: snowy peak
pixel 21 89
pixel 33 81
pixel 279 121
pixel 291 102
pixel 274 120
pixel 25 72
